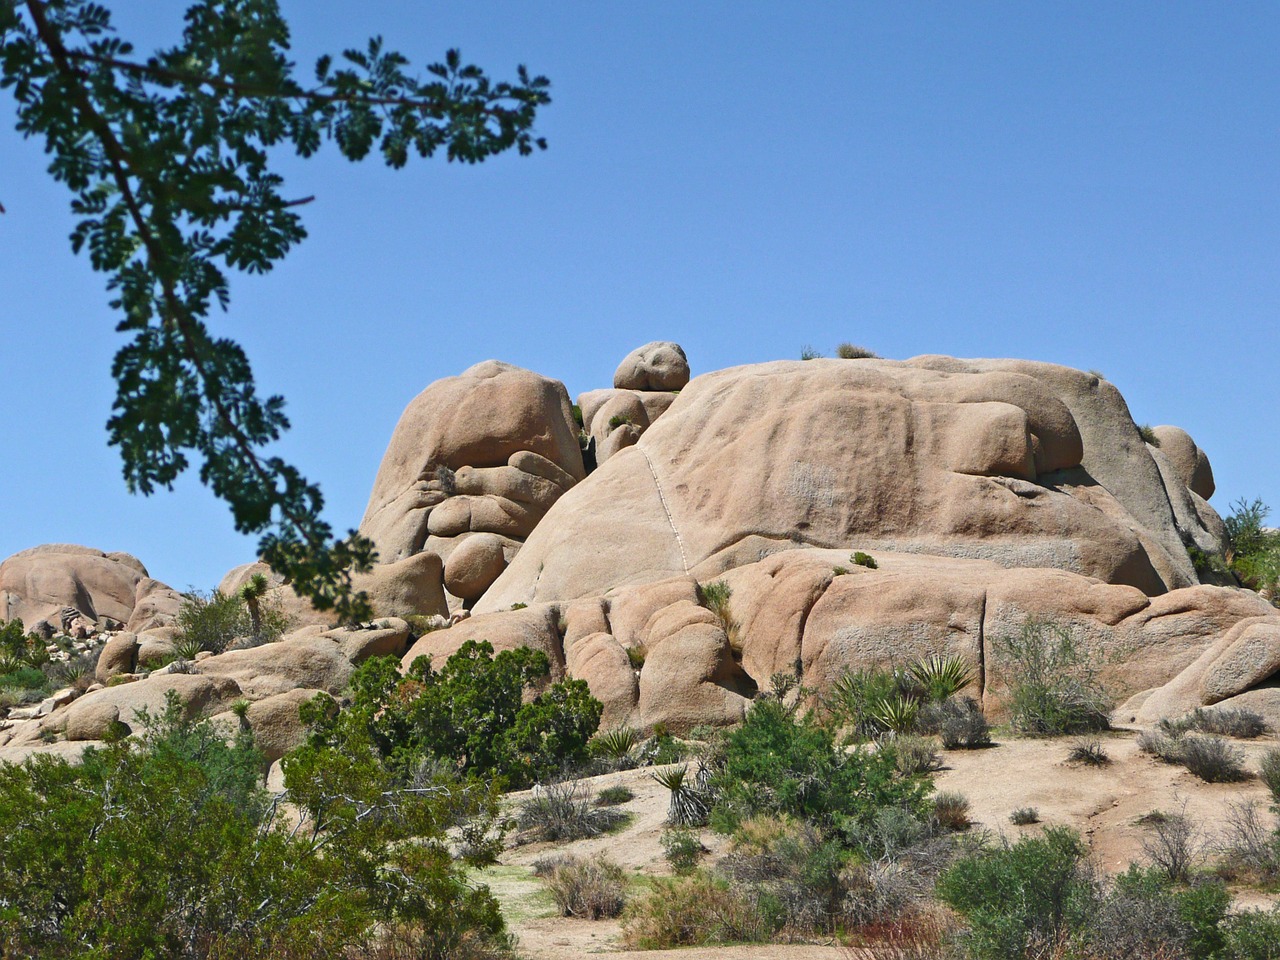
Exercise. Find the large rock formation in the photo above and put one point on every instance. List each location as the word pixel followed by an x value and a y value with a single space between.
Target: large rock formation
pixel 990 493
pixel 59 583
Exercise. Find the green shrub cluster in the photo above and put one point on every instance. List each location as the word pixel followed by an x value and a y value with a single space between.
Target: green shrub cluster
pixel 165 845
pixel 472 712
pixel 1254 554
pixel 1053 682
pixel 215 621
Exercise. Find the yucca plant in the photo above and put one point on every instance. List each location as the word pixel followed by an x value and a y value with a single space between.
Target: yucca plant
pixel 616 745
pixel 186 648
pixel 942 677
pixel 689 805
pixel 897 713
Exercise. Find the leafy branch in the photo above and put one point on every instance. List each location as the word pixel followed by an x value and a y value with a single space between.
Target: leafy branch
pixel 168 161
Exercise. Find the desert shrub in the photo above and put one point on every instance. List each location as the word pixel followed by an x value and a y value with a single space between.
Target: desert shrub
pixel 1142 915
pixel 1035 890
pixel 618 419
pixel 614 796
pixel 776 763
pixel 562 811
pixel 1088 752
pixel 850 351
pixel 635 656
pixel 794 878
pixel 545 866
pixel 472 712
pixel 1173 844
pixel 1162 744
pixel 1239 723
pixel 682 848
pixel 951 811
pixel 809 353
pixel 24 678
pixel 181 807
pixel 1148 434
pixel 1251 935
pixel 691 911
pixel 1053 681
pixel 1212 759
pixel 215 621
pixel 916 755
pixel 662 749
pixel 1254 556
pixel 863 560
pixel 896 714
pixel 1250 849
pixel 592 889
pixel 715 597
pixel 616 747
pixel 958 721
pixel 855 697
pixel 1024 816
pixel 1269 771
pixel 889 833
pixel 940 678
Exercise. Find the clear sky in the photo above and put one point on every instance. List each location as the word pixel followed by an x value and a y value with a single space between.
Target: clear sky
pixel 1094 184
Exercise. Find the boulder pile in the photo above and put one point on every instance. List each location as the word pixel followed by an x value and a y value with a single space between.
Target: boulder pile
pixel 849 513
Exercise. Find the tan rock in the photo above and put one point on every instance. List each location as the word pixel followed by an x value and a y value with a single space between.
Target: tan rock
pixel 535 627
pixel 655 404
pixel 297 660
pixel 474 564
pixel 828 453
pixel 660 365
pixel 386 637
pixel 1189 461
pixel 602 662
pixel 276 724
pixel 120 655
pixel 481 419
pixel 42 582
pixel 91 715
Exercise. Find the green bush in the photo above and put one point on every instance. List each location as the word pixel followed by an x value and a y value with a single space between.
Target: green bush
pixel 850 351
pixel 1024 816
pixel 614 796
pixel 777 764
pixel 1053 681
pixel 472 712
pixel 863 560
pixel 165 845
pixel 682 849
pixel 215 621
pixel 1270 772
pixel 1254 555
pixel 1252 935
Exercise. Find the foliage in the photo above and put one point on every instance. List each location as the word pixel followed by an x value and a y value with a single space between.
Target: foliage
pixel 1148 434
pixel 214 621
pixel 617 746
pixel 858 558
pixel 1237 722
pixel 1250 849
pixel 635 656
pixel 614 796
pixel 1035 889
pixel 1254 555
pixel 1024 816
pixel 808 353
pixel 958 721
pixel 618 419
pixel 593 889
pixel 168 158
pixel 941 678
pixel 1212 759
pixel 777 764
pixel 853 700
pixel 916 755
pixel 562 811
pixel 1088 752
pixel 850 351
pixel 1173 844
pixel 1269 771
pixel 690 911
pixel 690 802
pixel 1252 935
pixel 472 712
pixel 165 845
pixel 951 811
pixel 1053 681
pixel 681 848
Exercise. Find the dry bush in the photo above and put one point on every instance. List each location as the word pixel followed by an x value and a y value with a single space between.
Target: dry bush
pixel 561 812
pixel 1230 722
pixel 691 911
pixel 1250 849
pixel 1024 816
pixel 951 811
pixel 915 755
pixel 1212 759
pixel 1089 752
pixel 407 942
pixel 1174 844
pixel 592 889
pixel 916 935
pixel 1270 772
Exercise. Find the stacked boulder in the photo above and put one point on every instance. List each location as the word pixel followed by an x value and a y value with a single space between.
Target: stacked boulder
pixel 645 385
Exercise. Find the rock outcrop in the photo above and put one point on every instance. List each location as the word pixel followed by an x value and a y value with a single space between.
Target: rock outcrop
pixel 990 494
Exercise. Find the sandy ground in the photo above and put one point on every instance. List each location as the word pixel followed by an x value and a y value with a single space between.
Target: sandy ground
pixel 1104 803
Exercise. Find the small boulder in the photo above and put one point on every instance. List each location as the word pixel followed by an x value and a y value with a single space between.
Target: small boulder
pixel 660 365
pixel 120 655
pixel 474 564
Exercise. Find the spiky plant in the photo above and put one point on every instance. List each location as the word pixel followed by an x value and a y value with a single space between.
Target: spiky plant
pixel 897 713
pixel 689 805
pixel 616 744
pixel 942 677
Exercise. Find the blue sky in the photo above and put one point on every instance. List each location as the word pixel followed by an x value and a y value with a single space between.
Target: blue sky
pixel 1094 184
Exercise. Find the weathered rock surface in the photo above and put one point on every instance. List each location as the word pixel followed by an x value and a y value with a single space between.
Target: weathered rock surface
pixel 660 365
pixel 493 446
pixel 61 582
pixel 970 459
